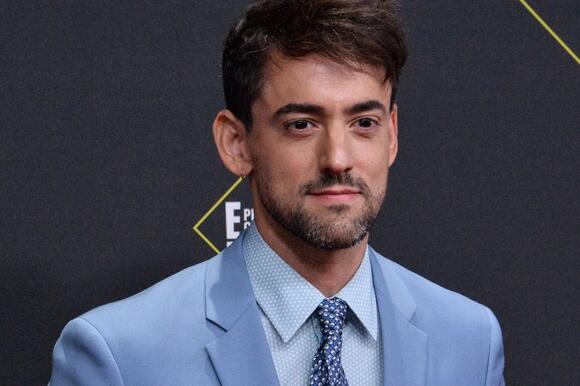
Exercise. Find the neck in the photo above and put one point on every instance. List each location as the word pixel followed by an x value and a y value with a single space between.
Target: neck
pixel 327 270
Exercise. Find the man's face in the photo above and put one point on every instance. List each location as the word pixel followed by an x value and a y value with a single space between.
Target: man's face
pixel 321 144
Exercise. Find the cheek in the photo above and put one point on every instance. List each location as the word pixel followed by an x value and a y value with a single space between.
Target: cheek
pixel 291 163
pixel 373 161
pixel 282 170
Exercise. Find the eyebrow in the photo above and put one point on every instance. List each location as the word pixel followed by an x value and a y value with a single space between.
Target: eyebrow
pixel 367 106
pixel 308 108
pixel 300 108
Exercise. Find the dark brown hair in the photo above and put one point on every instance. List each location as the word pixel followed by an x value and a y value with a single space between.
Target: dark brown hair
pixel 353 33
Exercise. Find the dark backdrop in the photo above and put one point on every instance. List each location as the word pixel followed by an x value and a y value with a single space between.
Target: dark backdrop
pixel 107 161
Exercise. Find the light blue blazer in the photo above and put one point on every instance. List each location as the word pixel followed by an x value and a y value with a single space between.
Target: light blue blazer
pixel 201 326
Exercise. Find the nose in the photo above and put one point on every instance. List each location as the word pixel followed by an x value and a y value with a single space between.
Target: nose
pixel 335 152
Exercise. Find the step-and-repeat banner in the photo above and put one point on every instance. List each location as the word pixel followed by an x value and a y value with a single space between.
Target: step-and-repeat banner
pixel 111 181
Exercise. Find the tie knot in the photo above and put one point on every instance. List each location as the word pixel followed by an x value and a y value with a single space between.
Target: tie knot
pixel 332 314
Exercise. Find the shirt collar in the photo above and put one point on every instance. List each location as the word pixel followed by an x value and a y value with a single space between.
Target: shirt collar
pixel 288 300
pixel 359 294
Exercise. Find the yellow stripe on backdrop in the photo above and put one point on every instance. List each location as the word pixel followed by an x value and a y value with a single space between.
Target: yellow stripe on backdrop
pixel 550 31
pixel 210 211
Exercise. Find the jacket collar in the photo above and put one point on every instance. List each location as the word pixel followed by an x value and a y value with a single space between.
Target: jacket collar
pixel 241 355
pixel 404 344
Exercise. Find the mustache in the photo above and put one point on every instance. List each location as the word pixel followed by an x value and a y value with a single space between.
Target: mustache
pixel 329 180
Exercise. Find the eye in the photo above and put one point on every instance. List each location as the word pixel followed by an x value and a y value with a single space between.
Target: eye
pixel 367 124
pixel 299 125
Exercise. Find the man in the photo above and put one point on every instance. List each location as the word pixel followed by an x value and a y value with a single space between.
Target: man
pixel 299 298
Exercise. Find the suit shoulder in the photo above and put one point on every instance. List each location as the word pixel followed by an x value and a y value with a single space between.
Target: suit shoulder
pixel 437 306
pixel 141 339
pixel 155 306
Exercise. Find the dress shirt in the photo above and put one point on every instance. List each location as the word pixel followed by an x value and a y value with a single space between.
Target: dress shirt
pixel 287 302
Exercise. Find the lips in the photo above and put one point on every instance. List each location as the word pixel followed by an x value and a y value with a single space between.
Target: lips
pixel 335 195
pixel 334 191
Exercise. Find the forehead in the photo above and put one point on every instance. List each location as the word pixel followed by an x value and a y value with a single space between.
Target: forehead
pixel 318 80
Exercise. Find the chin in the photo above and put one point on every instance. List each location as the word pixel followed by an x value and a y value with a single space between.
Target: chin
pixel 343 233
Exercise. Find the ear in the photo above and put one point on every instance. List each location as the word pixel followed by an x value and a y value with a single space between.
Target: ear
pixel 393 134
pixel 230 137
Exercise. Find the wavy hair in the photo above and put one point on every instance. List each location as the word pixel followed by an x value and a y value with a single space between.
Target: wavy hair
pixel 353 33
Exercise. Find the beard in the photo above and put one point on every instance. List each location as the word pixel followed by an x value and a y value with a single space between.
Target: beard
pixel 336 232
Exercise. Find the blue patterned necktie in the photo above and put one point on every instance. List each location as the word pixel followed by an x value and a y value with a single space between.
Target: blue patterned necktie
pixel 326 367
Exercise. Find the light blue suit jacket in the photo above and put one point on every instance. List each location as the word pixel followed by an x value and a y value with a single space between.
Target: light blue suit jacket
pixel 201 326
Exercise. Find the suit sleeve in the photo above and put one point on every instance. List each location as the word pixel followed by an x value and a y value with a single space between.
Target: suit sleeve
pixel 495 363
pixel 82 357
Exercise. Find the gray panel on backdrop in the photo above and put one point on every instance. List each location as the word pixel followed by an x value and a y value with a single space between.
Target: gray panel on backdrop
pixel 107 162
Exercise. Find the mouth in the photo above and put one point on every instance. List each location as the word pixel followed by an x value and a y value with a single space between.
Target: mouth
pixel 335 195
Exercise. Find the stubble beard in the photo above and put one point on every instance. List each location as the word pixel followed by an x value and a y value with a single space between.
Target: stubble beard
pixel 327 234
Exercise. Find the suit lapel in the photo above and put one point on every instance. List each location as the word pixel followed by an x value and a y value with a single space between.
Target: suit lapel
pixel 241 355
pixel 404 345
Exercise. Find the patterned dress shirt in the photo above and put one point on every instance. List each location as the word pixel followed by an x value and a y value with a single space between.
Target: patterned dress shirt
pixel 287 301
